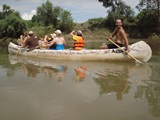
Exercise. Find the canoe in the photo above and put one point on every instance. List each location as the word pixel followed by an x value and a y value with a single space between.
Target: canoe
pixel 140 50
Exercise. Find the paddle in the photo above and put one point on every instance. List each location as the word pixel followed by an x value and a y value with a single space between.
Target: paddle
pixel 28 50
pixel 125 51
pixel 19 51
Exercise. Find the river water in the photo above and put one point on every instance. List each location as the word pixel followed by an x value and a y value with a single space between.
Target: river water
pixel 36 89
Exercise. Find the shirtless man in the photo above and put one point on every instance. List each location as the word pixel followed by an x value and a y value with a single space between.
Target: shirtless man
pixel 121 38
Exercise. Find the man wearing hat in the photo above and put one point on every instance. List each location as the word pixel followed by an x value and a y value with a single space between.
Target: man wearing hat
pixel 32 41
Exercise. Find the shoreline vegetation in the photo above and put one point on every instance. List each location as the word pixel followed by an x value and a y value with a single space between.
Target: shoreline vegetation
pixel 98 34
pixel 90 33
pixel 49 18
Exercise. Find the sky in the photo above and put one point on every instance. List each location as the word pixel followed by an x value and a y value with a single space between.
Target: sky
pixel 81 10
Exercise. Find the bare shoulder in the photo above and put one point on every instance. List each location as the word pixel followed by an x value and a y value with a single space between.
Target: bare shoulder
pixel 62 38
pixel 54 40
pixel 122 31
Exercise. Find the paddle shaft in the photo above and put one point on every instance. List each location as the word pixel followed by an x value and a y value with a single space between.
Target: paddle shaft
pixel 124 51
pixel 18 52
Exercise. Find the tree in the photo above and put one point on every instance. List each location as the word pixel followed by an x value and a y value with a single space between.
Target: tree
pixel 48 15
pixel 16 26
pixel 117 10
pixel 147 23
pixel 118 7
pixel 12 25
pixel 45 13
pixel 151 6
pixel 7 10
pixel 66 22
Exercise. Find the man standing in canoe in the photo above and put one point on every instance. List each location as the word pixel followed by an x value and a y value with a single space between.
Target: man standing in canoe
pixel 121 37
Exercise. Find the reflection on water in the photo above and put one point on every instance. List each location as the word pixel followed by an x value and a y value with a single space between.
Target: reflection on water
pixel 80 73
pixel 110 77
pixel 108 81
pixel 33 67
pixel 85 90
pixel 117 78
pixel 59 72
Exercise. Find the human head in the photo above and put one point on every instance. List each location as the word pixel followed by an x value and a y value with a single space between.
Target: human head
pixel 25 34
pixel 49 38
pixel 53 35
pixel 79 33
pixel 118 22
pixel 58 32
pixel 30 33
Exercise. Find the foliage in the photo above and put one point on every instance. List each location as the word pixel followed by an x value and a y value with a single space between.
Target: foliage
pixel 15 25
pixel 147 22
pixel 94 23
pixel 117 7
pixel 47 15
pixel 144 24
pixel 117 10
pixel 152 7
pixel 6 11
pixel 11 23
pixel 49 18
pixel 97 22
pixel 148 4
pixel 66 22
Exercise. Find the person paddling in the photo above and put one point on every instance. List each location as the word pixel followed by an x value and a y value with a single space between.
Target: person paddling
pixel 121 37
pixel 32 41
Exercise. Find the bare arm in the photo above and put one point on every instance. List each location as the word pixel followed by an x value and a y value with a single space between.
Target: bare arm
pixel 125 39
pixel 65 43
pixel 113 34
pixel 51 43
pixel 72 33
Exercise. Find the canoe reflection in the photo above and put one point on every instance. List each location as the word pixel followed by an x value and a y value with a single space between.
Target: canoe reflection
pixel 108 77
pixel 32 67
pixel 31 70
pixel 59 72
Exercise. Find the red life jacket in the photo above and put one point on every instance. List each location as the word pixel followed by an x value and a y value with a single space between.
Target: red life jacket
pixel 78 42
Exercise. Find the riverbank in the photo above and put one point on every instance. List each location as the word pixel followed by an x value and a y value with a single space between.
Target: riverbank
pixel 97 34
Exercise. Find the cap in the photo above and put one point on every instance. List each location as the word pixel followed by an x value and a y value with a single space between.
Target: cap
pixel 30 32
pixel 58 32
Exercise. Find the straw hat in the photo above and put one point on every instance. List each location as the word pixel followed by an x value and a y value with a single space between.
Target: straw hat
pixel 53 35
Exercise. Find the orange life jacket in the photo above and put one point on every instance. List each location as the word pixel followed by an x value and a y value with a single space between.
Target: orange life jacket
pixel 78 42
